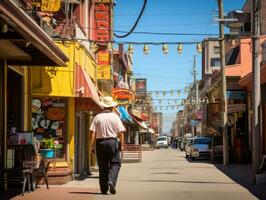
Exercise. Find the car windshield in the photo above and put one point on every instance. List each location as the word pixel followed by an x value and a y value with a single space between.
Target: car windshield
pixel 202 141
pixel 162 139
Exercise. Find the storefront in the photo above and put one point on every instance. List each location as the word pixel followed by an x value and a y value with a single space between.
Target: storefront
pixel 238 138
pixel 23 43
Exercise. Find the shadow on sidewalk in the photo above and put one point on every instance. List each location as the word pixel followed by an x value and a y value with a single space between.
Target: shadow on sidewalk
pixel 242 174
pixel 83 177
pixel 11 193
pixel 94 193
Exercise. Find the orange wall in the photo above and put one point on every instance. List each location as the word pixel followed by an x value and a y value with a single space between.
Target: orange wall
pixel 245 56
pixel 245 60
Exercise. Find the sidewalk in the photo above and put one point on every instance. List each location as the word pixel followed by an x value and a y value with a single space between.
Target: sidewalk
pixel 55 192
pixel 242 174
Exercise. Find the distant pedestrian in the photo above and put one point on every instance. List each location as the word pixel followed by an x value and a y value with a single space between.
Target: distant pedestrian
pixel 107 127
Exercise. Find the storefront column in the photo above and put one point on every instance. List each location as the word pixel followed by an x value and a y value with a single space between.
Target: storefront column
pixel 136 139
pixel 3 121
pixel 71 130
pixel 1 125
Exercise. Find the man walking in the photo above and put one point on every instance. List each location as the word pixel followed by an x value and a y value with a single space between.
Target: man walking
pixel 106 127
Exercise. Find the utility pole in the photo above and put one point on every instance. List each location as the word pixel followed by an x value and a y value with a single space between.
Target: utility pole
pixel 196 90
pixel 223 88
pixel 256 87
pixel 196 82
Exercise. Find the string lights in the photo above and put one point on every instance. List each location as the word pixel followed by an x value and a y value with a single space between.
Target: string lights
pixel 165 49
pixel 130 49
pixel 146 49
pixel 180 48
pixel 165 45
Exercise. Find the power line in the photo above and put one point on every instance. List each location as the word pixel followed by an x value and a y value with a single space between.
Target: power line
pixel 167 25
pixel 149 32
pixel 168 33
pixel 135 24
pixel 166 14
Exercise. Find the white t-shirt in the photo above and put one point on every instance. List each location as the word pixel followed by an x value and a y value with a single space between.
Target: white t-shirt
pixel 107 125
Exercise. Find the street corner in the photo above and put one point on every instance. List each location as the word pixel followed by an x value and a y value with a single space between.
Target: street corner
pixel 57 193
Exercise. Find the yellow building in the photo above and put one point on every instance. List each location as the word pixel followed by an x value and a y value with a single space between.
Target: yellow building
pixel 64 100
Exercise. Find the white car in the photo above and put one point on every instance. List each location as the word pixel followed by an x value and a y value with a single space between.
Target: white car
pixel 199 148
pixel 162 141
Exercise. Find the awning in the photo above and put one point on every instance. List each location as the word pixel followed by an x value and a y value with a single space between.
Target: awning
pixel 138 121
pixel 124 115
pixel 85 91
pixel 151 131
pixel 246 81
pixel 26 35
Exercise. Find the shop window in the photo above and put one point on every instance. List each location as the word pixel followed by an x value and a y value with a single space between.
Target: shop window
pixel 48 125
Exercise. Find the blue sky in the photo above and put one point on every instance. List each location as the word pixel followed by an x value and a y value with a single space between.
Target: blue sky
pixel 172 71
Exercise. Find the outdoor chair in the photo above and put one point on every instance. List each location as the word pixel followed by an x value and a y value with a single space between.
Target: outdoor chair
pixel 41 172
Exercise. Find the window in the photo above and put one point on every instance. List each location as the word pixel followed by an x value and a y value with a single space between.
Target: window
pixel 48 124
pixel 215 62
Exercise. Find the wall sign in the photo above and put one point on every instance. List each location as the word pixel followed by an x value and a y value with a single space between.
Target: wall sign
pixel 102 22
pixel 103 57
pixel 103 72
pixel 47 5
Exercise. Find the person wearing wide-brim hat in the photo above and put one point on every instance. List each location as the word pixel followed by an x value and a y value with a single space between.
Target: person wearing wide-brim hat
pixel 106 127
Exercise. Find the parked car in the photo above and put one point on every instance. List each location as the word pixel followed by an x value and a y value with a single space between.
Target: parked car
pixel 162 141
pixel 216 153
pixel 199 147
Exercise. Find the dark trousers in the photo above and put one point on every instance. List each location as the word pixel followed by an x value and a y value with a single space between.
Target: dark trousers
pixel 109 162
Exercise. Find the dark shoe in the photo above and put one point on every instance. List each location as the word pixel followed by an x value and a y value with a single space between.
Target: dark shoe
pixel 105 192
pixel 111 188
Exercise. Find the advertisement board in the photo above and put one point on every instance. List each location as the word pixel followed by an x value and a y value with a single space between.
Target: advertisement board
pixel 103 72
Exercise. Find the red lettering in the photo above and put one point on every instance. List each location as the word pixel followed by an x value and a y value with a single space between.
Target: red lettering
pixel 102 15
pixel 102 7
pixel 102 32
pixel 103 37
pixel 102 24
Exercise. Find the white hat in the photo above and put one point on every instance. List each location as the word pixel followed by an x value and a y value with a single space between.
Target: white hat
pixel 108 102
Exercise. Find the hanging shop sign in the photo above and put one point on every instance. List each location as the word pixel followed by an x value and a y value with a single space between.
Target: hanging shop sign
pixel 231 108
pixel 236 95
pixel 47 5
pixel 141 86
pixel 123 96
pixel 103 72
pixel 102 22
pixel 103 57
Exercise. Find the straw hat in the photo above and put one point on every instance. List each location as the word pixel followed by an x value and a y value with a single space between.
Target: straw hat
pixel 108 102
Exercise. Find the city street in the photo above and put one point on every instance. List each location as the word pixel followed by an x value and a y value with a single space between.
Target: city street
pixel 163 174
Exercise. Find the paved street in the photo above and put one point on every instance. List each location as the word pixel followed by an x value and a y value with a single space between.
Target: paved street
pixel 163 174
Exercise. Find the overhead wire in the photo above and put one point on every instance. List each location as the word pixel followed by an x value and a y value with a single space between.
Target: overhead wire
pixel 135 24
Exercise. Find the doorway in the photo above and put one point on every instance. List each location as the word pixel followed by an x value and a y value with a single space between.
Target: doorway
pixel 81 144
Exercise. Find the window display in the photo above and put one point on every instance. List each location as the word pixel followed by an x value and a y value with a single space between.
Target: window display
pixel 48 124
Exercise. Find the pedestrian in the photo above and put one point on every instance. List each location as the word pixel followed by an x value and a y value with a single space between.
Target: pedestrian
pixel 106 128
